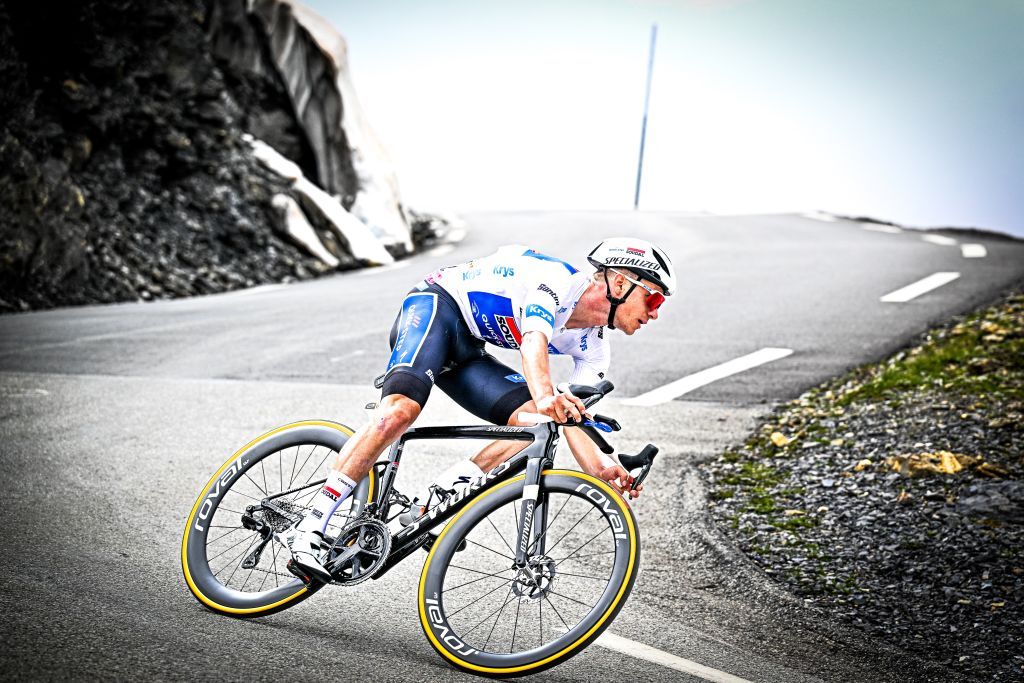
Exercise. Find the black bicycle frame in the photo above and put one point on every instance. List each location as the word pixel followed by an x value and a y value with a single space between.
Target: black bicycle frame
pixel 534 459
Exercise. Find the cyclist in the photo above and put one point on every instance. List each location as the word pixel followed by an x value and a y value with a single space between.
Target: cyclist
pixel 515 298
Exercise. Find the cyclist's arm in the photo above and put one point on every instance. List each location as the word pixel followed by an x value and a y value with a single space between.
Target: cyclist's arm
pixel 592 461
pixel 534 350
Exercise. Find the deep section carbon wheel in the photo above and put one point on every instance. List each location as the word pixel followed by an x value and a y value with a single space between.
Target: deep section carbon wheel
pixel 485 615
pixel 231 553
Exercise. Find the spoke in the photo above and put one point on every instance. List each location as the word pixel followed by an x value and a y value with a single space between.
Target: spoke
pixel 583 546
pixel 571 528
pixel 258 500
pixel 584 576
pixel 246 475
pixel 233 529
pixel 466 633
pixel 496 619
pixel 280 470
pixel 294 460
pixel 452 614
pixel 266 574
pixel 246 582
pixel 557 614
pixel 299 471
pixel 515 627
pixel 570 599
pixel 219 509
pixel 502 537
pixel 317 468
pixel 224 526
pixel 549 524
pixel 507 557
pixel 277 548
pixel 574 556
pixel 481 578
pixel 228 549
pixel 540 614
pixel 237 563
pixel 263 469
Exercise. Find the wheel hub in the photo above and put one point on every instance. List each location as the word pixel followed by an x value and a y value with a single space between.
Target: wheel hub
pixel 534 581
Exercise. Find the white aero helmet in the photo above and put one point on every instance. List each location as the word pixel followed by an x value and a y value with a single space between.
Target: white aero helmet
pixel 640 256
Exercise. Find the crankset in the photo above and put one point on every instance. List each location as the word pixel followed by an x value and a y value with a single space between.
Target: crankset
pixel 359 550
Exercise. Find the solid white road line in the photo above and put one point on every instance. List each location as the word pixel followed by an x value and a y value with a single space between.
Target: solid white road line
pixel 632 648
pixel 923 286
pixel 874 227
pixel 940 240
pixel 973 250
pixel 695 381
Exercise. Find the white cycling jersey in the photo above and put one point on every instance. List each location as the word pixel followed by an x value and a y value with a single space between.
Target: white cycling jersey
pixel 517 290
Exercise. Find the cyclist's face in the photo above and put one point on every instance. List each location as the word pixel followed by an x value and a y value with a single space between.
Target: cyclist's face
pixel 634 313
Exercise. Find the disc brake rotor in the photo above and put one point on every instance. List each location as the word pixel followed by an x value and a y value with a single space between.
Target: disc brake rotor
pixel 534 581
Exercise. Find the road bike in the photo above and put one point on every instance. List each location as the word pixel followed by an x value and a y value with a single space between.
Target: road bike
pixel 530 566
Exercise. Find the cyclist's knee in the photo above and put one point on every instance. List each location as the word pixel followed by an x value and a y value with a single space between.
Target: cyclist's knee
pixel 528 407
pixel 395 414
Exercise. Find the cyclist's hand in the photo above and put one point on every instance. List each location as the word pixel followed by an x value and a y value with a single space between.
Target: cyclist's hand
pixel 561 406
pixel 620 480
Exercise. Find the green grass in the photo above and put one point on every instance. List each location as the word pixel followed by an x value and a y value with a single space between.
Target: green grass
pixel 982 355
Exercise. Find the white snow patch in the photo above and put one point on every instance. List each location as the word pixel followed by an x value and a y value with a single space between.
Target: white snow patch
pixel 300 229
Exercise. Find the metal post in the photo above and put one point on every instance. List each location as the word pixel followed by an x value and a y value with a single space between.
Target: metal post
pixel 643 129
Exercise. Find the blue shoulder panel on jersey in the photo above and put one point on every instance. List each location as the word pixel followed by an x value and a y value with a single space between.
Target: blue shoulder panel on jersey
pixel 494 319
pixel 544 257
pixel 417 314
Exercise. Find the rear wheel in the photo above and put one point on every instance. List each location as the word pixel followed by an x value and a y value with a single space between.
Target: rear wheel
pixel 486 616
pixel 230 554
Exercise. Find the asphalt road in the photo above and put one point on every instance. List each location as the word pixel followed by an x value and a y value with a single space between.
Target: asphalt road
pixel 112 418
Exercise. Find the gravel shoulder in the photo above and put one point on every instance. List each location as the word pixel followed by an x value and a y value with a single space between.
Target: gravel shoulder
pixel 893 497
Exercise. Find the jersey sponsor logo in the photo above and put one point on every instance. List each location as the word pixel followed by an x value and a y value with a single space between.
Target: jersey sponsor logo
pixel 552 349
pixel 533 310
pixel 504 271
pixel 470 274
pixel 430 374
pixel 544 257
pixel 633 251
pixel 493 316
pixel 551 292
pixel 515 378
pixel 583 343
pixel 631 262
pixel 509 332
pixel 600 333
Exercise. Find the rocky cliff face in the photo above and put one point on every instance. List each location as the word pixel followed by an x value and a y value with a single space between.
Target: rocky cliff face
pixel 126 171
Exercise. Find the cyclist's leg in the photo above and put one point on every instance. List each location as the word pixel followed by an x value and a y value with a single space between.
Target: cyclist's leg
pixel 420 341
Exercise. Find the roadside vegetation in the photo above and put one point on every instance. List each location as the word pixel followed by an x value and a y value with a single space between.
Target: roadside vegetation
pixel 893 497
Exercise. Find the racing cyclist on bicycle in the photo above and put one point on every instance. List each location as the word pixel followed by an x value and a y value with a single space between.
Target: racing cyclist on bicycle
pixel 515 298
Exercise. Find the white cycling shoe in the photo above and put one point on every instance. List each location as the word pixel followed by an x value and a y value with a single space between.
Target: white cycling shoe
pixel 307 548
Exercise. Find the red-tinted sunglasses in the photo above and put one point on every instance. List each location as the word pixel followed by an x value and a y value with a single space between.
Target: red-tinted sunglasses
pixel 654 299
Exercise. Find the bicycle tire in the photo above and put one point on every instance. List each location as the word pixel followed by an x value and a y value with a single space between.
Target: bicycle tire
pixel 312 441
pixel 452 637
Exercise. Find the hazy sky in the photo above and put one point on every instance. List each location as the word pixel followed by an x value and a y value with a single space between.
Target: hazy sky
pixel 911 111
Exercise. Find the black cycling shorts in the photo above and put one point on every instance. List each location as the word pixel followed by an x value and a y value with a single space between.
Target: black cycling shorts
pixel 431 343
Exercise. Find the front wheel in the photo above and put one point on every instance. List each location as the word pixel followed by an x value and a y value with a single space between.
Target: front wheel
pixel 230 554
pixel 486 616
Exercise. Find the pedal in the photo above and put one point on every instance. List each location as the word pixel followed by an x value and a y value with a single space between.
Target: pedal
pixel 306 578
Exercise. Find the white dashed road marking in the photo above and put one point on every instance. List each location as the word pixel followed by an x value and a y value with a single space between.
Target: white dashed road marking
pixel 923 286
pixel 632 648
pixel 973 250
pixel 699 379
pixel 939 240
pixel 891 229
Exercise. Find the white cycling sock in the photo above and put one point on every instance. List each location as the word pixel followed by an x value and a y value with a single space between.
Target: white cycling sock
pixel 457 477
pixel 335 490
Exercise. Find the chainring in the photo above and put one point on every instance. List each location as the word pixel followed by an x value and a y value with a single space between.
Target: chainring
pixel 359 550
